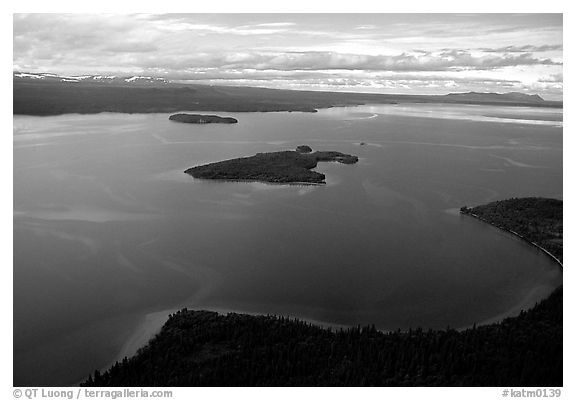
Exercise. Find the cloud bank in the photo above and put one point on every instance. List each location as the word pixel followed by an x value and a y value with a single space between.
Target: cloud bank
pixel 406 53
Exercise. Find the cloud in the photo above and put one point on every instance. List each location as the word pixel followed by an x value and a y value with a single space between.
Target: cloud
pixel 523 49
pixel 130 47
pixel 339 51
pixel 554 78
pixel 219 74
pixel 187 23
pixel 274 24
pixel 317 60
pixel 366 27
pixel 421 85
pixel 220 29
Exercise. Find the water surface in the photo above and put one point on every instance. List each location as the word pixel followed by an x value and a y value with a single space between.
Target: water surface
pixel 110 235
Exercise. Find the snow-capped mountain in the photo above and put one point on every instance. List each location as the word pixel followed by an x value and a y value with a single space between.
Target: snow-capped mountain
pixel 90 78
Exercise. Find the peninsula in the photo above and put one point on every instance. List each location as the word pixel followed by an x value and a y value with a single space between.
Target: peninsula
pixel 202 119
pixel 534 219
pixel 277 167
pixel 203 348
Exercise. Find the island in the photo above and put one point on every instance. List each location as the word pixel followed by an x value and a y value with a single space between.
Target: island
pixel 536 220
pixel 202 119
pixel 304 149
pixel 276 167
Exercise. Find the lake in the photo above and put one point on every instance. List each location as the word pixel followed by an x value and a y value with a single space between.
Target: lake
pixel 110 235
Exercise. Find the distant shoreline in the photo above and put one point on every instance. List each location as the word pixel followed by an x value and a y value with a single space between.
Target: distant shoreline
pixel 47 97
pixel 281 109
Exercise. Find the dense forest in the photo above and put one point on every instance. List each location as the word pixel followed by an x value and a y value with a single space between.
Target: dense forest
pixel 274 167
pixel 202 348
pixel 539 220
pixel 202 119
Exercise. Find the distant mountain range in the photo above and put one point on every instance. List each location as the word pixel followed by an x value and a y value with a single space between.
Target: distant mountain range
pixel 497 97
pixel 149 80
pixel 53 94
pixel 90 78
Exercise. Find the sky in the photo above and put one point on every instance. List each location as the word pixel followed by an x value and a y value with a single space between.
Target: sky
pixel 376 53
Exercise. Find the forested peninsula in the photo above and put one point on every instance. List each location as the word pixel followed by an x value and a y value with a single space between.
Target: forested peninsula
pixel 534 219
pixel 202 348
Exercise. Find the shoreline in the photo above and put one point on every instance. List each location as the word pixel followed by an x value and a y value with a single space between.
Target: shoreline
pixel 295 183
pixel 516 234
pixel 279 167
pixel 309 108
pixel 152 323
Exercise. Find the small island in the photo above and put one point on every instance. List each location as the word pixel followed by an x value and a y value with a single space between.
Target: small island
pixel 276 167
pixel 202 119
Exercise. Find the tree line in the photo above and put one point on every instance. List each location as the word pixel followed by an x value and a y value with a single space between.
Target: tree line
pixel 201 348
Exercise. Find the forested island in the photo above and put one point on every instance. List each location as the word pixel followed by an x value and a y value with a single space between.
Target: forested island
pixel 276 167
pixel 202 348
pixel 304 149
pixel 202 119
pixel 534 219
